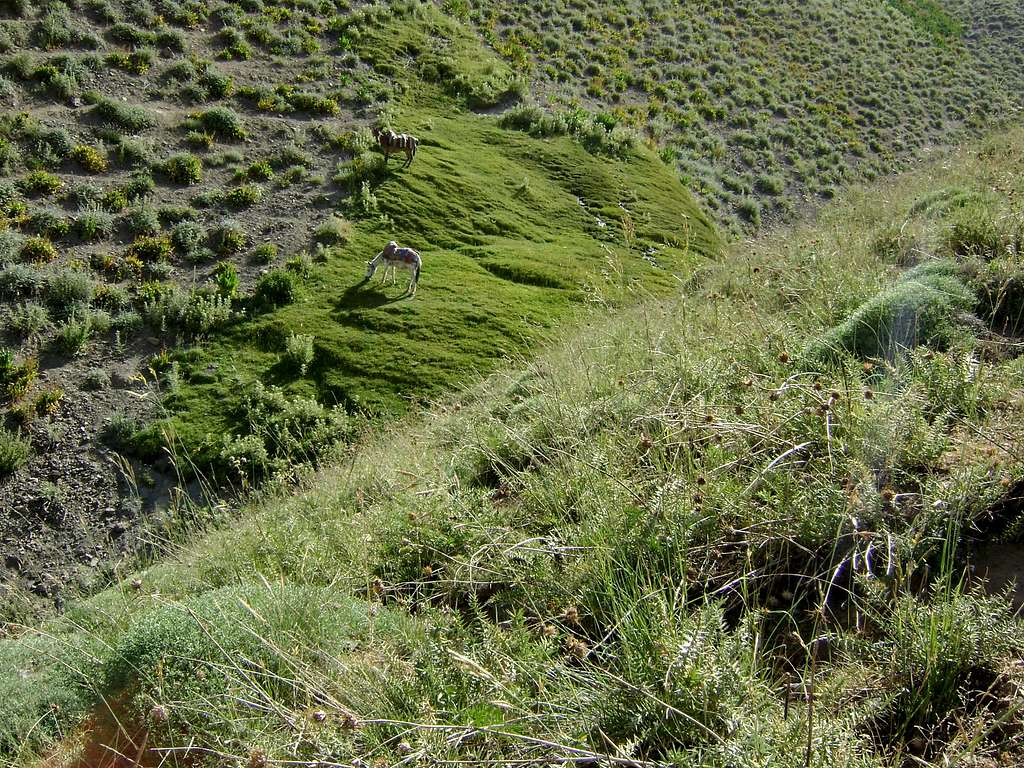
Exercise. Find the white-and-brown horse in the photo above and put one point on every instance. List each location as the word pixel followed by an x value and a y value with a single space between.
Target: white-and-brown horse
pixel 393 257
pixel 391 142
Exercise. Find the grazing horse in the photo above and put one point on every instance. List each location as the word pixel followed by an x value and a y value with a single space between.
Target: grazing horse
pixel 393 257
pixel 390 142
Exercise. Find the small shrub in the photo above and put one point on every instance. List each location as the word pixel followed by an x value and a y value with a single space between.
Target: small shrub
pixel 139 186
pixel 188 237
pixel 50 224
pixel 129 119
pixel 141 221
pixel 38 250
pixel 199 139
pixel 244 196
pixel 260 171
pixel 96 379
pixel 69 291
pixel 298 351
pixel 334 231
pixel 14 452
pixel 264 253
pixel 228 239
pixel 47 403
pixel 74 333
pixel 10 157
pixel 151 249
pixel 90 158
pixel 94 224
pixel 975 232
pixel 40 183
pixel 16 378
pixel 184 168
pixel 120 428
pixel 29 319
pixel 276 288
pixel 292 431
pixel 222 122
pixel 225 277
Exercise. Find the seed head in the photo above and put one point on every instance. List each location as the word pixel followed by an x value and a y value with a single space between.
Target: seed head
pixel 646 442
pixel 888 494
pixel 427 571
pixel 868 394
pixel 404 747
pixel 548 630
pixel 136 584
pixel 572 614
pixel 257 759
pixel 158 714
pixel 318 716
pixel 576 648
pixel 784 358
pixel 868 367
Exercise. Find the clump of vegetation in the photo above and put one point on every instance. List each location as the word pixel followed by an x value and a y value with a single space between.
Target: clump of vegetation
pixel 184 168
pixel 16 378
pixel 244 196
pixel 188 239
pixel 128 118
pixel 334 231
pixel 229 238
pixel 14 452
pixel 94 224
pixel 225 277
pixel 283 433
pixel 40 183
pixel 265 253
pixel 276 288
pixel 298 351
pixel 923 307
pixel 38 250
pixel 90 158
pixel 222 122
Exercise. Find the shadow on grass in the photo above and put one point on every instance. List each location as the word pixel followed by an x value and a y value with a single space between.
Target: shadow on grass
pixel 365 295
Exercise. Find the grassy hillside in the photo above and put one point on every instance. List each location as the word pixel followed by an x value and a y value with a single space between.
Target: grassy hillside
pixel 741 527
pixel 763 104
pixel 189 197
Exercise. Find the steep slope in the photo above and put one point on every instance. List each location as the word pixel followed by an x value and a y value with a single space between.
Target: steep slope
pixel 676 537
pixel 192 194
pixel 763 104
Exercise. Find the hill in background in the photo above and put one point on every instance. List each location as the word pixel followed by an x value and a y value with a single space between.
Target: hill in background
pixel 764 105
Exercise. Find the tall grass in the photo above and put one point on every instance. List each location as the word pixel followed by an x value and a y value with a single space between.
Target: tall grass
pixel 667 540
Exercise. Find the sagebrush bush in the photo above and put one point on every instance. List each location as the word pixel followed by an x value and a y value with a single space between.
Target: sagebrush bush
pixel 40 183
pixel 141 221
pixel 94 224
pixel 29 319
pixel 69 291
pixel 188 239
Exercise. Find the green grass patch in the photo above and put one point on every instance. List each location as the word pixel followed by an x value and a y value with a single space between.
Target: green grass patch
pixel 524 232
